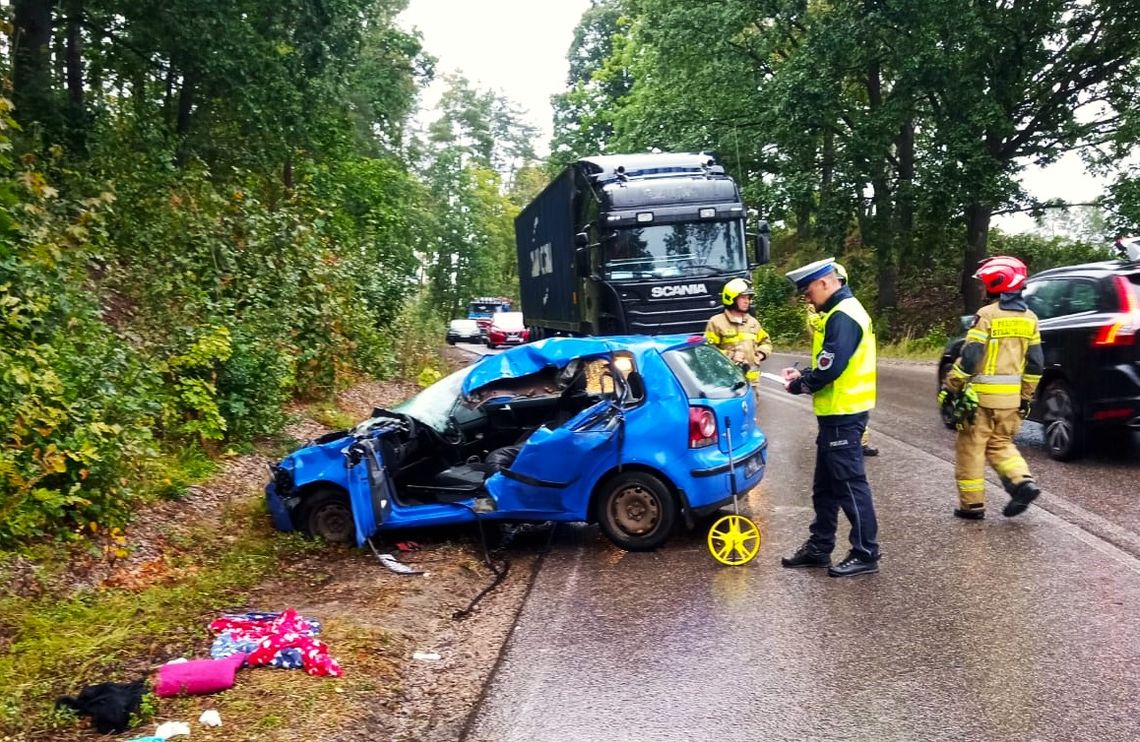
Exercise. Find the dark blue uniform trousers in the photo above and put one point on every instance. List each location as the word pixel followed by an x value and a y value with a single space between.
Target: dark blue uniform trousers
pixel 841 483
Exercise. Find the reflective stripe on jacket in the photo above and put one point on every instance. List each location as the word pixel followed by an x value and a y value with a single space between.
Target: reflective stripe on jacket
pixel 854 389
pixel 743 342
pixel 1001 358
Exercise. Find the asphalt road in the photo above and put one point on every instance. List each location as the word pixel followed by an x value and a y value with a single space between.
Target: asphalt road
pixel 1005 629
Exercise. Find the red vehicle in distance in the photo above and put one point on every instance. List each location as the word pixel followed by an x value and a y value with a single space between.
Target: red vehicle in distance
pixel 507 329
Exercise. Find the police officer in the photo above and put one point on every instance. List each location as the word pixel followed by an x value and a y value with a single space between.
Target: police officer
pixel 813 320
pixel 737 333
pixel 1000 364
pixel 842 384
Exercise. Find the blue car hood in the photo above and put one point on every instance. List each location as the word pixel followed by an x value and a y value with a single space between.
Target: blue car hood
pixel 533 357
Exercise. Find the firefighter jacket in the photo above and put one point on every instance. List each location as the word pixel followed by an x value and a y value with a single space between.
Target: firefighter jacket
pixel 842 378
pixel 743 340
pixel 1001 358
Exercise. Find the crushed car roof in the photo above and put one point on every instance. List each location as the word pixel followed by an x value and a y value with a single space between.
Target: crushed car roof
pixel 533 357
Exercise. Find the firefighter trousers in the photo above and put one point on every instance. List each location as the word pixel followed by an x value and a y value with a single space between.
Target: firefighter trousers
pixel 989 438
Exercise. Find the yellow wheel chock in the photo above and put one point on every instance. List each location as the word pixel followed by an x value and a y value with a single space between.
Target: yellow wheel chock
pixel 734 540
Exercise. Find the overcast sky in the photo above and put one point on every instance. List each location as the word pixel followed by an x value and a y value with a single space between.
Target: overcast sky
pixel 514 47
pixel 518 49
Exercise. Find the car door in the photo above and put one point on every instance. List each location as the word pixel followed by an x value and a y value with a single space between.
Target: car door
pixel 1069 311
pixel 370 489
pixel 551 472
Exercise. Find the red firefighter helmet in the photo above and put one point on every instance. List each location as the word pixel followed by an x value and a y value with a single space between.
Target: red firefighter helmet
pixel 1002 273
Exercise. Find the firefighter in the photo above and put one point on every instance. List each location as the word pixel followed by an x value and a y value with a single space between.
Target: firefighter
pixel 991 386
pixel 842 385
pixel 738 334
pixel 813 320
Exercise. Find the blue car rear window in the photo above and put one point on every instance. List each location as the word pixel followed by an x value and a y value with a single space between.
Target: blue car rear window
pixel 704 372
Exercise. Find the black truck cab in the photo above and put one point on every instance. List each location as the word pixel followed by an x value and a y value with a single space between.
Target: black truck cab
pixel 633 244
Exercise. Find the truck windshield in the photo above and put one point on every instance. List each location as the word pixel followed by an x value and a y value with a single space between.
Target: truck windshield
pixel 683 249
pixel 487 308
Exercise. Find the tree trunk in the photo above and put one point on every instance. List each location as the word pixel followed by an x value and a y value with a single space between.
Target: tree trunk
pixel 977 237
pixel 904 199
pixel 886 267
pixel 31 68
pixel 287 173
pixel 185 108
pixel 76 103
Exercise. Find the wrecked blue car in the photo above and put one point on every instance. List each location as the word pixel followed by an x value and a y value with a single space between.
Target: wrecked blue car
pixel 629 432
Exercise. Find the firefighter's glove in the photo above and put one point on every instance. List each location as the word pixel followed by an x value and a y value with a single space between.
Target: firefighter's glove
pixel 1023 410
pixel 946 397
pixel 965 408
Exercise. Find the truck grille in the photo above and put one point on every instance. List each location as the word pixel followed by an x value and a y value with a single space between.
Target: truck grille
pixel 678 317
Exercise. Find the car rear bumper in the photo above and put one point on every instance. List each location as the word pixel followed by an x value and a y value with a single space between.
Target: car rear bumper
pixel 1118 396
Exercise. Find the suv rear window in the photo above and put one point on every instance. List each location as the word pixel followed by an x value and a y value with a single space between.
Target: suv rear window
pixel 704 372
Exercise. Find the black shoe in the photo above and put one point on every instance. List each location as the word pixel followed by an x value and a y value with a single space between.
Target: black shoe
pixel 1023 494
pixel 870 451
pixel 806 556
pixel 853 565
pixel 970 513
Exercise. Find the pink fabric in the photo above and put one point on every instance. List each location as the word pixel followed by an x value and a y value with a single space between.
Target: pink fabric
pixel 197 677
pixel 289 630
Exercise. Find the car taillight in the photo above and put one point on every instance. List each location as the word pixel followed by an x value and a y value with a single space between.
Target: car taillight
pixel 702 427
pixel 1123 330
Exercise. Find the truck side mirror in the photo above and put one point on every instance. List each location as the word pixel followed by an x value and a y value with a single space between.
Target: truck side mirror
pixel 582 261
pixel 763 244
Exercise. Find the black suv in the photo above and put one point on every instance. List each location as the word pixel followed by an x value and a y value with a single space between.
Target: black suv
pixel 1090 323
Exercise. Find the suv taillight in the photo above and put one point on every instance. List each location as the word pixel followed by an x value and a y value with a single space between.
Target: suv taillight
pixel 1123 329
pixel 702 427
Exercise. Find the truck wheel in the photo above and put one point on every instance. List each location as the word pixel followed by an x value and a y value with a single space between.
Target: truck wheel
pixel 1064 431
pixel 636 511
pixel 326 514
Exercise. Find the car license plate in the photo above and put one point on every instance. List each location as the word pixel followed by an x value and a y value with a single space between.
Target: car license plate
pixel 752 465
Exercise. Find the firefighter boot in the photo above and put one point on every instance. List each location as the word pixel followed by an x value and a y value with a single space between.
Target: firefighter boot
pixel 1023 493
pixel 971 512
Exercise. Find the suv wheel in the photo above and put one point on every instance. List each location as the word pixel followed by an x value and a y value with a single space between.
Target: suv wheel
pixel 1064 432
pixel 636 511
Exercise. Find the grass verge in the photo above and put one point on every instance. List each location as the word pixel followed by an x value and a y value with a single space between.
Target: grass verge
pixel 53 647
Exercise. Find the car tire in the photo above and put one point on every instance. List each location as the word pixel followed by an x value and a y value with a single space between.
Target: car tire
pixel 636 511
pixel 1061 420
pixel 945 413
pixel 327 514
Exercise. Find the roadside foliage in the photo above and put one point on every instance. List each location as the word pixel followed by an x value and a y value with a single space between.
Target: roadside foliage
pixel 888 134
pixel 208 210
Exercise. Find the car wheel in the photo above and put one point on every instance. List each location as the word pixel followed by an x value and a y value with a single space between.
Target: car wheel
pixel 636 511
pixel 327 515
pixel 946 413
pixel 1061 418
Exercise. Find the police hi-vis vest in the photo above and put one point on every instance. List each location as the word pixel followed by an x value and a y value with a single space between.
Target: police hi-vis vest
pixel 854 390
